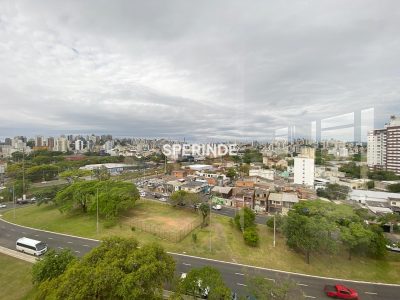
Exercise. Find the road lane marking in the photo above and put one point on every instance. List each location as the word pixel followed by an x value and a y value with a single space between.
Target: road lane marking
pixel 69 242
pixel 60 248
pixel 302 284
pixel 186 264
pixel 77 251
pixel 371 293
pixel 86 246
pixel 242 284
pixel 36 235
pixel 269 279
pixel 310 297
pixel 241 274
pixel 50 238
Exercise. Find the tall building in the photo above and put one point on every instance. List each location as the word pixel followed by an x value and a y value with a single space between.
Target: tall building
pixel 376 149
pixel 393 145
pixel 61 144
pixel 304 171
pixel 50 143
pixel 78 145
pixel 383 150
pixel 38 141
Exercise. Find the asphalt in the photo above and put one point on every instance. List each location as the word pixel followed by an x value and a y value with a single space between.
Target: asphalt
pixel 233 274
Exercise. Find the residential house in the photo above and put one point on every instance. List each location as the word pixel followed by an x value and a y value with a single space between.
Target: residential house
pixel 179 173
pixel 261 199
pixel 194 186
pixel 281 202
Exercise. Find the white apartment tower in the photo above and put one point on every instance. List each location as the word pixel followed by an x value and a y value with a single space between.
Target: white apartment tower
pixel 384 147
pixel 61 144
pixel 376 149
pixel 78 145
pixel 304 168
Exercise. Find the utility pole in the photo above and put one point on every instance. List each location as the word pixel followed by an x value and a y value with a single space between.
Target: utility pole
pixel 274 230
pixel 23 173
pixel 14 198
pixel 97 212
pixel 209 225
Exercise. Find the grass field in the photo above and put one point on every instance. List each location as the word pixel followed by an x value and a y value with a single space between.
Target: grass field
pixel 226 242
pixel 15 278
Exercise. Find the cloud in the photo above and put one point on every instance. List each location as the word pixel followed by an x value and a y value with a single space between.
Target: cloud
pixel 204 70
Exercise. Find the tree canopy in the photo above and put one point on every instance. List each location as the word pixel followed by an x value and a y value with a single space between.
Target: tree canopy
pixel 113 197
pixel 117 269
pixel 199 279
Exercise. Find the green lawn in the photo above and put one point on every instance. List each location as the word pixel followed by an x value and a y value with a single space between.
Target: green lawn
pixel 226 242
pixel 15 278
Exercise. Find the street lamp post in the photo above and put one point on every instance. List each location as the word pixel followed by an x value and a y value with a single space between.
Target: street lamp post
pixel 14 198
pixel 97 213
pixel 274 230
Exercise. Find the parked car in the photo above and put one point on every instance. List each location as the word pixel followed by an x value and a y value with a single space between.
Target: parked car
pixel 217 207
pixel 340 291
pixel 3 205
pixel 143 194
pixel 163 199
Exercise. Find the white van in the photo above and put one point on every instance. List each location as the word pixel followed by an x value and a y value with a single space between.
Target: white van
pixel 31 246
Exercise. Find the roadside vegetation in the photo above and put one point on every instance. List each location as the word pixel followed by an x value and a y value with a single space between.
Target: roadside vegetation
pixel 219 240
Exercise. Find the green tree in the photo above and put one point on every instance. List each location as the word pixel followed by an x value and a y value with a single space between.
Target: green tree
pixel 334 192
pixel 394 188
pixel 101 173
pixel 117 269
pixel 377 246
pixel 205 211
pixel 199 279
pixel 42 172
pixel 251 237
pixel 52 265
pixel 114 197
pixel 261 288
pixel 245 218
pixel 308 234
pixel 279 222
pixel 382 175
pixel 370 184
pixel 354 237
pixel 231 173
pixel 178 198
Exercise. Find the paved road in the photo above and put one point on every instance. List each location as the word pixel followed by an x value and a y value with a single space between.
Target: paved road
pixel 234 274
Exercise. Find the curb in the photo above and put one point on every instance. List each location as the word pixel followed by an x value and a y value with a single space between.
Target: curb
pixel 226 262
pixel 17 254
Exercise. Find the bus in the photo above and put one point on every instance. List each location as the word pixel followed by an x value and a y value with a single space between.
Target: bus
pixel 31 246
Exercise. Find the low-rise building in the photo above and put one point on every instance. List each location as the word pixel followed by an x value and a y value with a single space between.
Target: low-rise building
pixel 281 202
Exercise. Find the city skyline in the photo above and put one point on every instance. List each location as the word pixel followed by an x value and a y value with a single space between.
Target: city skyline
pixel 205 73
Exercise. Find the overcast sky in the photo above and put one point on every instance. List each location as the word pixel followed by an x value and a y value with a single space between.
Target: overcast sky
pixel 204 70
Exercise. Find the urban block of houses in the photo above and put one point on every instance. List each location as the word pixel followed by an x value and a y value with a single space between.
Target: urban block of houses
pixel 112 168
pixel 377 202
pixel 281 202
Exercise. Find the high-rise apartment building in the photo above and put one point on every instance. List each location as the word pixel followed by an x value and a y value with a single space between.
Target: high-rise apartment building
pixel 38 141
pixel 78 145
pixel 393 145
pixel 384 147
pixel 376 149
pixel 304 171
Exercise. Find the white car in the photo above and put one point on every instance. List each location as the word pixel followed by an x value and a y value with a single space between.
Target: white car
pixel 217 207
pixel 143 194
pixel 163 199
pixel 3 206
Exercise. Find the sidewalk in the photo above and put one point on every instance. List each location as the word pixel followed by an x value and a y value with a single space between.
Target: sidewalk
pixel 17 254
